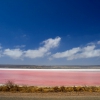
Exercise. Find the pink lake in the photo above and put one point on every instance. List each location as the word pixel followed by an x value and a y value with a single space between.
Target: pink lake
pixel 51 77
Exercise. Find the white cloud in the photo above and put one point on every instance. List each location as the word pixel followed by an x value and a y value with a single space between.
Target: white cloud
pixel 48 53
pixel 51 43
pixel 31 53
pixel 89 51
pixel 44 50
pixel 79 52
pixel 86 52
pixel 66 53
pixel 13 53
pixel 88 48
pixel 35 53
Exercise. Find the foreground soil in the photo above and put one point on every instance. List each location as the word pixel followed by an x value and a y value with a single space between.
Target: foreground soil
pixel 50 96
pixel 57 95
pixel 62 98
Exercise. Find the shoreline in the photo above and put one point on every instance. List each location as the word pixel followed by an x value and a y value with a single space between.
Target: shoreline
pixel 93 70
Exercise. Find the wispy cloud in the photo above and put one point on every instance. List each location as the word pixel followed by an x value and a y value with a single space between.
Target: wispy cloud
pixel 88 51
pixel 98 42
pixel 33 53
pixel 44 50
pixel 66 53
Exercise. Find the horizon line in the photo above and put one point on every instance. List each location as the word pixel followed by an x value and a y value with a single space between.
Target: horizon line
pixel 51 69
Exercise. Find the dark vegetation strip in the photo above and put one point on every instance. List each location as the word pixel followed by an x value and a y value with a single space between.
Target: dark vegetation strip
pixel 51 67
pixel 11 87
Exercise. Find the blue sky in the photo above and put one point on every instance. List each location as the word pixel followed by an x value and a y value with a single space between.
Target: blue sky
pixel 50 32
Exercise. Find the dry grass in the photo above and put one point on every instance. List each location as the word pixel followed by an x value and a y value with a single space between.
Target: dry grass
pixel 11 87
pixel 11 91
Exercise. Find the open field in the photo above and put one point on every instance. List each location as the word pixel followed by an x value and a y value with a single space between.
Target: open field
pixel 50 96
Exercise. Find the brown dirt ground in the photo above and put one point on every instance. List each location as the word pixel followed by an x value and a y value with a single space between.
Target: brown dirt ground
pixel 45 95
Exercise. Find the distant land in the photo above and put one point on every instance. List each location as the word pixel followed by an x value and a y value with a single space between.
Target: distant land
pixel 51 66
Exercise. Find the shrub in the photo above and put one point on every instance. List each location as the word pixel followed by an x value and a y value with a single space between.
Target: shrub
pixel 62 89
pixel 69 89
pixel 94 89
pixel 9 84
pixel 5 89
pixel 56 89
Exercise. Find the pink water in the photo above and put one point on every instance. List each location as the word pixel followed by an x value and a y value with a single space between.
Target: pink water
pixel 50 78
